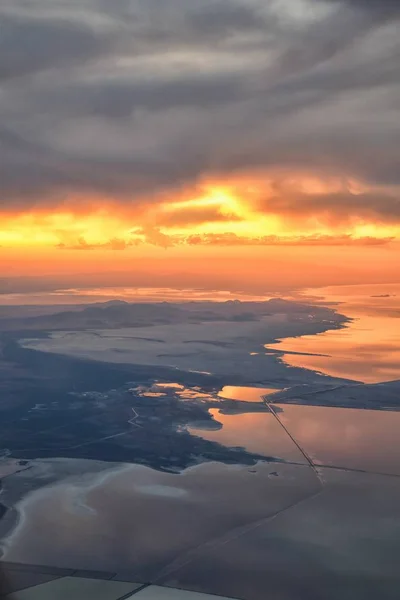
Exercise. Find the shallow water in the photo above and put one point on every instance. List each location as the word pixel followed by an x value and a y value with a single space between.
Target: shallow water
pixel 346 438
pixel 144 518
pixel 367 349
pixel 245 394
pixel 259 433
pixel 132 517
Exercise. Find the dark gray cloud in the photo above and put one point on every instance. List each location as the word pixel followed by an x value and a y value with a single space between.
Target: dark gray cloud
pixel 375 6
pixel 120 99
pixel 338 207
pixel 129 97
pixel 28 45
pixel 222 18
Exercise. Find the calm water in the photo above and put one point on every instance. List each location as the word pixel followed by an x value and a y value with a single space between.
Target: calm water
pixel 132 517
pixel 245 394
pixel 366 440
pixel 368 349
pixel 346 438
pixel 256 432
pixel 147 518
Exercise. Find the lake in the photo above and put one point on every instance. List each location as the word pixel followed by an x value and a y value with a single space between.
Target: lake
pixel 367 349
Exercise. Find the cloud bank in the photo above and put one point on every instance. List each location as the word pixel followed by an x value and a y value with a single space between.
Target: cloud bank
pixel 129 98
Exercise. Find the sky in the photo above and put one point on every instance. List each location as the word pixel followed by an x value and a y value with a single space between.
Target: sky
pixel 235 144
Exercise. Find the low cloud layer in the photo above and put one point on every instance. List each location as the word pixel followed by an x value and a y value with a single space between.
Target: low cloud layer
pixel 155 237
pixel 126 99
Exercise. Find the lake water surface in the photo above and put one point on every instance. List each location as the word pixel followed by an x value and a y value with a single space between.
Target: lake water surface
pixel 367 349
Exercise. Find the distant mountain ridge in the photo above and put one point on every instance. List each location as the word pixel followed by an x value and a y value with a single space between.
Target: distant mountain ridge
pixel 116 314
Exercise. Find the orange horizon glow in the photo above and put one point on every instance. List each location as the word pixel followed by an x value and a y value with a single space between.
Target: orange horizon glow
pixel 228 213
pixel 231 234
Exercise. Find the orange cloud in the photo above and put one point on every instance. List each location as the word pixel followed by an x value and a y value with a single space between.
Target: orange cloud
pixel 194 215
pixel 82 244
pixel 231 239
pixel 252 208
pixel 153 236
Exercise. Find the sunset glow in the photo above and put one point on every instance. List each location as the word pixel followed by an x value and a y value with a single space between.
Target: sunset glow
pixel 250 210
pixel 234 138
